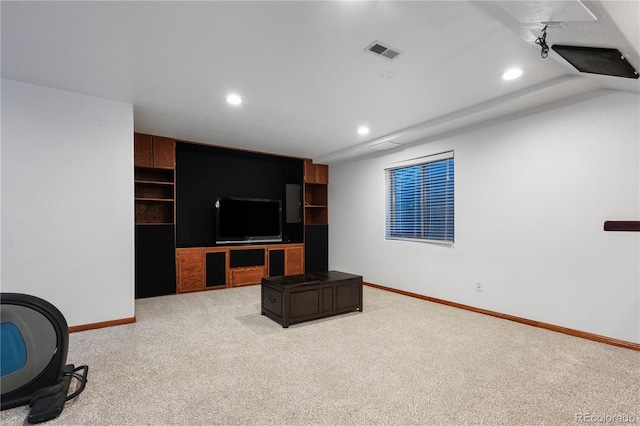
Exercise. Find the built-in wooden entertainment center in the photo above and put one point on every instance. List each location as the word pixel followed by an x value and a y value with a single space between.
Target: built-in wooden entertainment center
pixel 213 267
pixel 176 185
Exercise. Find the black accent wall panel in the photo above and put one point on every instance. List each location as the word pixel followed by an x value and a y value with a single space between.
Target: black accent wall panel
pixel 276 262
pixel 316 248
pixel 204 173
pixel 216 269
pixel 244 258
pixel 155 262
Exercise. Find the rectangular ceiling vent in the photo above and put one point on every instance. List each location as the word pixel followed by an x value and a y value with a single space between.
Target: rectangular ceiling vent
pixel 383 146
pixel 380 49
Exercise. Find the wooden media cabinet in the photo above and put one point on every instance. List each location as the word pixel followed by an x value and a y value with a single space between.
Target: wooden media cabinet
pixel 203 268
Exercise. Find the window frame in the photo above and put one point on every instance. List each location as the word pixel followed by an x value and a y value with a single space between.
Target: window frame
pixel 448 237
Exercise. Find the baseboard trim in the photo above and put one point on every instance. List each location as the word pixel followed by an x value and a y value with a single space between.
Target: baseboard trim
pixel 96 325
pixel 551 327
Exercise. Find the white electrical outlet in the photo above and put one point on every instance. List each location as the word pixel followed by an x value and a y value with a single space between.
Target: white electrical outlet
pixel 478 286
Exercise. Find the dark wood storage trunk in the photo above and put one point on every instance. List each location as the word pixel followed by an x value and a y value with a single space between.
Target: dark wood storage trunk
pixel 290 299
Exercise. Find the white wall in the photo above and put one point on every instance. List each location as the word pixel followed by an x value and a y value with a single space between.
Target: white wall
pixel 532 195
pixel 67 201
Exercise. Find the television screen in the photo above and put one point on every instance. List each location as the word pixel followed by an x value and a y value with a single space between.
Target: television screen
pixel 251 220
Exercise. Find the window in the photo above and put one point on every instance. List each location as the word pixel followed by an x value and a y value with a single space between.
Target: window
pixel 420 200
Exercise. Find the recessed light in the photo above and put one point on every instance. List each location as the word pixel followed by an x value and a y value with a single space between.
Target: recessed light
pixel 234 99
pixel 512 74
pixel 363 130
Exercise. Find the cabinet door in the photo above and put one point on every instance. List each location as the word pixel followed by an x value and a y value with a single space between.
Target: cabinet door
pixel 322 173
pixel 142 150
pixel 164 154
pixel 294 261
pixel 190 264
pixel 315 173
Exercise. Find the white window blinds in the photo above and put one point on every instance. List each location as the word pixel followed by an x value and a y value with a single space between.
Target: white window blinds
pixel 420 200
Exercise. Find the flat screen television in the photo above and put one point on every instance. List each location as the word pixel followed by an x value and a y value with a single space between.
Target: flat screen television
pixel 248 220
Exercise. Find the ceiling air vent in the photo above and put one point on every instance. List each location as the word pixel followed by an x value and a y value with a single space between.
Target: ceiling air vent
pixel 383 146
pixel 380 49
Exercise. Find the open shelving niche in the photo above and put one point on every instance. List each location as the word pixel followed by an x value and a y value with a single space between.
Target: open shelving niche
pixel 154 196
pixel 316 180
pixel 154 180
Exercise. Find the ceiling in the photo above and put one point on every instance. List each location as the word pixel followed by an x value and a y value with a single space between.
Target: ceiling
pixel 303 70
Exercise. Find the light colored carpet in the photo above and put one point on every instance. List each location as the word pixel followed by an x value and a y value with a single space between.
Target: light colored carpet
pixel 210 358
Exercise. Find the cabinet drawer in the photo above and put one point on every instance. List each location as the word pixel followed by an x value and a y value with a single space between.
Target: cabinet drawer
pixel 245 276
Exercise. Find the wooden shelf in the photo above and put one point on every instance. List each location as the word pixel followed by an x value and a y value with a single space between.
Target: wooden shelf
pixel 316 199
pixel 154 189
pixel 158 176
pixel 153 182
pixel 158 200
